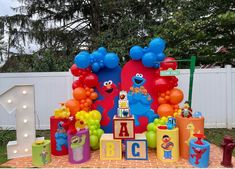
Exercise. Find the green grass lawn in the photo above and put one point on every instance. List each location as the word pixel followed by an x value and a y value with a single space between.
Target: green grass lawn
pixel 214 136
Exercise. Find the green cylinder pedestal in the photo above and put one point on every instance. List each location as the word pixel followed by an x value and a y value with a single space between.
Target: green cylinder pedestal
pixel 41 153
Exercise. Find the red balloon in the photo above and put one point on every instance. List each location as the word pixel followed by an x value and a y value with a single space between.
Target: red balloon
pixel 166 64
pixel 91 80
pixel 75 70
pixel 161 85
pixel 76 84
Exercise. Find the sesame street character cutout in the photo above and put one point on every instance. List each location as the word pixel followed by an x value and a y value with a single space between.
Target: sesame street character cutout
pixel 61 137
pixel 198 154
pixel 109 91
pixel 44 155
pixel 140 101
pixel 138 80
pixel 167 145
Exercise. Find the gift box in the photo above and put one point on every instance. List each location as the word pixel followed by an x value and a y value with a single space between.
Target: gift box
pixel 41 153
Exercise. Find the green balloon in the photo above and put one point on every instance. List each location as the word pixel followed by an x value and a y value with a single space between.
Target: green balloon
pixel 94 141
pixel 156 121
pixel 151 139
pixel 100 132
pixel 151 127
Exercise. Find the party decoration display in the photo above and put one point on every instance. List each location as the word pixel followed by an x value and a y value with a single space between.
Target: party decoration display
pixel 228 146
pixel 139 100
pixel 79 147
pixel 125 102
pixel 137 149
pixel 188 127
pixel 152 55
pixel 41 153
pixel 20 99
pixel 168 144
pixel 199 152
pixel 97 60
pixel 123 105
pixel 110 149
pixel 123 128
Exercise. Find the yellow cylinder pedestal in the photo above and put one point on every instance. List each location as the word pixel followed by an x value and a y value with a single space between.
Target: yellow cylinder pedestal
pixel 168 145
pixel 188 127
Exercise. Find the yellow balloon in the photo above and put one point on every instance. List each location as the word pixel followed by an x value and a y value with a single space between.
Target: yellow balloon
pixel 95 115
pixel 164 119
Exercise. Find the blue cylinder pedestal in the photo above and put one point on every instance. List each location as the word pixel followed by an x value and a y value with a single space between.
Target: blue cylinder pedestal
pixel 199 153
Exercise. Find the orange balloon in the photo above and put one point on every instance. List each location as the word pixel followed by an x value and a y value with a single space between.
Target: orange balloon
pixel 165 110
pixel 89 101
pixel 163 94
pixel 94 95
pixel 161 100
pixel 73 106
pixel 167 92
pixel 176 96
pixel 91 90
pixel 88 93
pixel 79 93
pixel 167 97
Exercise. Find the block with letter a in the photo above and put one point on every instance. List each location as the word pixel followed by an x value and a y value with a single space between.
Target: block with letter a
pixel 123 128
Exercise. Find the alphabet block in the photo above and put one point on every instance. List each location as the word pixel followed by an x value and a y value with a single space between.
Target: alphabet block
pixel 110 149
pixel 137 149
pixel 123 128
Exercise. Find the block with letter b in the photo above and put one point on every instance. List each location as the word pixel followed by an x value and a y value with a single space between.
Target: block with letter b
pixel 110 149
pixel 123 128
pixel 137 149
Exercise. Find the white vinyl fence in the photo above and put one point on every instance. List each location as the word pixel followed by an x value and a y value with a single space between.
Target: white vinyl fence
pixel 213 94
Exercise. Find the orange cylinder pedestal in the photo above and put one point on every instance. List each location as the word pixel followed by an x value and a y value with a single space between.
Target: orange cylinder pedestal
pixel 188 127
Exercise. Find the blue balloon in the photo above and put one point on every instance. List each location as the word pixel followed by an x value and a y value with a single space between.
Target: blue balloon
pixel 157 65
pixel 149 59
pixel 160 57
pixel 146 49
pixel 82 60
pixel 136 52
pixel 102 50
pixel 95 67
pixel 157 45
pixel 111 60
pixel 97 55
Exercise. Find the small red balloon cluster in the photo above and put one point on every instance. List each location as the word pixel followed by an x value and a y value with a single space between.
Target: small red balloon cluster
pixel 83 90
pixel 86 77
pixel 168 95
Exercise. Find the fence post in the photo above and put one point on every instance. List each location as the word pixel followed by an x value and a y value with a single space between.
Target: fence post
pixel 229 96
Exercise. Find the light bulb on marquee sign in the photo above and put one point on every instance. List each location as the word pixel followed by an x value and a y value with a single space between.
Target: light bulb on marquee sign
pixel 20 99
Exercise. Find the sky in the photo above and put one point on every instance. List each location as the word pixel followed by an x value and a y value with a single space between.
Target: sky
pixel 5 7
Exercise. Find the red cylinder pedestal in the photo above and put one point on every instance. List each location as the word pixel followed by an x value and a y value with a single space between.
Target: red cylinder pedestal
pixel 59 141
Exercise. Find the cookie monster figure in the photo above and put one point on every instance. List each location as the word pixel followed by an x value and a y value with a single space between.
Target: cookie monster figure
pixel 61 137
pixel 139 100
